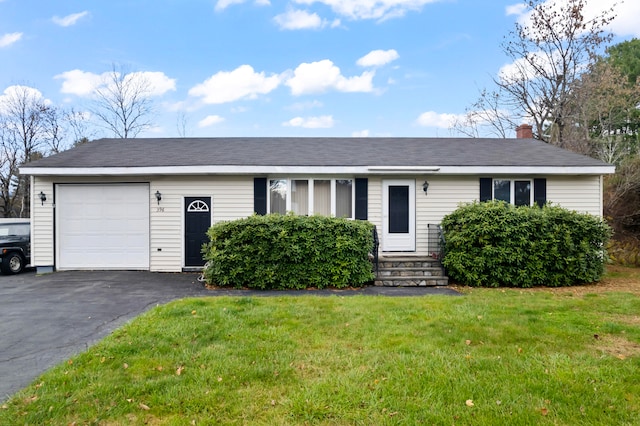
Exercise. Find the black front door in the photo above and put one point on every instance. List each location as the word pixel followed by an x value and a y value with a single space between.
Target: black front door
pixel 197 220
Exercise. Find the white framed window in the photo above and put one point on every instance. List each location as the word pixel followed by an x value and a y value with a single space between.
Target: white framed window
pixel 309 196
pixel 518 192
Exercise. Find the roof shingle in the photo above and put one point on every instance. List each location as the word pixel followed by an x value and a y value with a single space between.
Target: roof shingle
pixel 273 151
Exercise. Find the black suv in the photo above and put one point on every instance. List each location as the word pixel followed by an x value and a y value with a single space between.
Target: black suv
pixel 15 245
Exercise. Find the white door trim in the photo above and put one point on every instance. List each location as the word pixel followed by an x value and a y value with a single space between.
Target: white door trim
pixel 399 241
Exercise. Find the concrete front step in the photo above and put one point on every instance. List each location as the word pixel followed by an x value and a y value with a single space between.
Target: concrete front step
pixel 411 281
pixel 410 271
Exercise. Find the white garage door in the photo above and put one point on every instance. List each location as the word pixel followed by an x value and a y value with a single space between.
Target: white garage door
pixel 102 226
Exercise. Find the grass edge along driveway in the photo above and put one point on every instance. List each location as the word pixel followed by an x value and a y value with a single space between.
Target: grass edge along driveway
pixel 491 357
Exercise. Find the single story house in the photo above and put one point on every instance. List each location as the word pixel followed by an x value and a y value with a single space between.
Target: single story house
pixel 145 204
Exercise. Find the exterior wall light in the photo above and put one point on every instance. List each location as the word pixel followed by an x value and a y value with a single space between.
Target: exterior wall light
pixel 43 197
pixel 158 196
pixel 425 187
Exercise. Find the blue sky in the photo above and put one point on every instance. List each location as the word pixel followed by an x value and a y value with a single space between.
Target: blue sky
pixel 272 68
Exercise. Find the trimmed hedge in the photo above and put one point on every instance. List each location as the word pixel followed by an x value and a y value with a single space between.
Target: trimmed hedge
pixel 493 244
pixel 289 252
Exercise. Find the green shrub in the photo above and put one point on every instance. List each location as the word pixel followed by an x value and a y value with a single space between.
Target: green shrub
pixel 495 244
pixel 289 252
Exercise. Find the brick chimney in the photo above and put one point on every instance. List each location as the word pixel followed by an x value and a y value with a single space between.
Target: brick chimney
pixel 524 131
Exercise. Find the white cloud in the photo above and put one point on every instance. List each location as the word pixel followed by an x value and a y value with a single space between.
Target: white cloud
pixel 626 21
pixel 624 24
pixel 223 4
pixel 210 120
pixel 321 122
pixel 16 92
pixel 159 83
pixel 516 9
pixel 524 69
pixel 69 20
pixel 9 39
pixel 299 20
pixel 434 119
pixel 318 77
pixel 302 20
pixel 377 58
pixel 77 82
pixel 229 86
pixel 82 83
pixel 371 9
pixel 360 134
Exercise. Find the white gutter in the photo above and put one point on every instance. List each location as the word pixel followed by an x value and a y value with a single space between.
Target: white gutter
pixel 317 170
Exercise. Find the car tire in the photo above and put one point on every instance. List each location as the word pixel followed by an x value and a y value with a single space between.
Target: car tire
pixel 12 263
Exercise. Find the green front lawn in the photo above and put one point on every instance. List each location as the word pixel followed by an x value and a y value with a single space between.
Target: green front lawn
pixel 511 357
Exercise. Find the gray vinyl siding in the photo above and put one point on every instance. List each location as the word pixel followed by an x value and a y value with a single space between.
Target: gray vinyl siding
pixel 446 193
pixel 231 198
pixel 42 223
pixel 580 193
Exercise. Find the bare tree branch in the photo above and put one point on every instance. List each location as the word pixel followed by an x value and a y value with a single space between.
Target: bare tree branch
pixel 122 103
pixel 549 55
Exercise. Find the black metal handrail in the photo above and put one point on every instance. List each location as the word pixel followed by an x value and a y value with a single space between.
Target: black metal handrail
pixel 435 240
pixel 376 245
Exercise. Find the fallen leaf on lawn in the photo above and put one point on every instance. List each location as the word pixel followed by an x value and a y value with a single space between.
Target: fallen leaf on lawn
pixel 467 342
pixel 519 350
pixel 498 402
pixel 159 368
pixel 469 403
pixel 193 312
pixel 70 362
pixel 273 402
pixel 544 411
pixel 179 370
pixel 102 360
pixel 39 385
pixel 129 400
pixel 219 379
pixel 620 356
pixel 144 406
pixel 125 365
pixel 479 317
pixel 5 406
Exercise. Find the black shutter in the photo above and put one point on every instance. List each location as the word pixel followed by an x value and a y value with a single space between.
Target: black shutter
pixel 540 191
pixel 485 189
pixel 362 191
pixel 260 195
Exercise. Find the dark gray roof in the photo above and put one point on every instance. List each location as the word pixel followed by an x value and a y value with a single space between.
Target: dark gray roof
pixel 272 151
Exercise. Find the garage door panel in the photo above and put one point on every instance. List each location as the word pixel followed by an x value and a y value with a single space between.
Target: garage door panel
pixel 103 226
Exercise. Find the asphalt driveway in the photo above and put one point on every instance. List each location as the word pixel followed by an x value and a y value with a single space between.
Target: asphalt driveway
pixel 48 318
